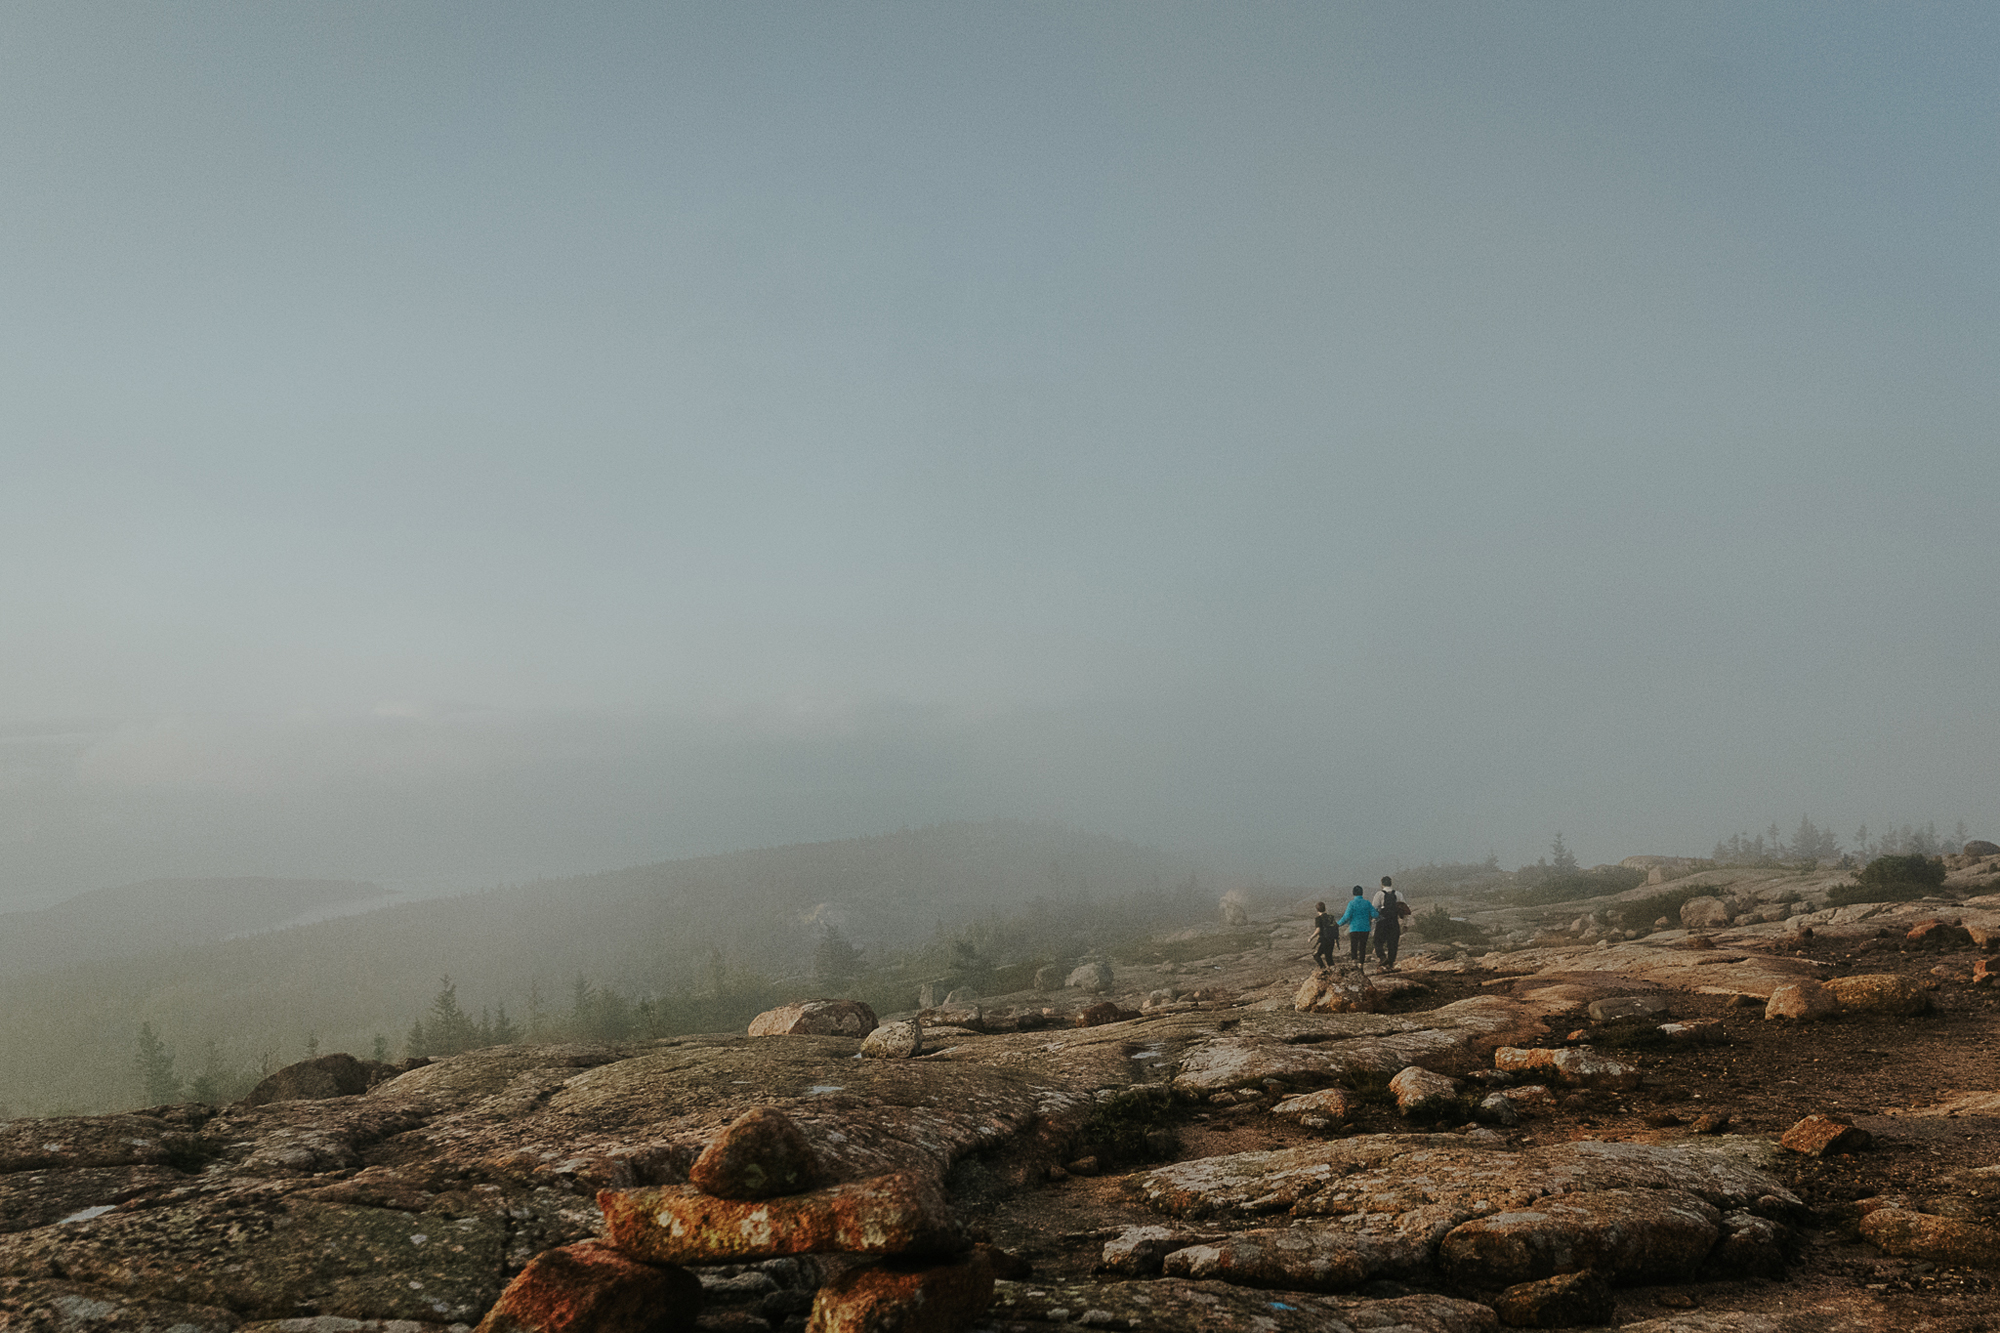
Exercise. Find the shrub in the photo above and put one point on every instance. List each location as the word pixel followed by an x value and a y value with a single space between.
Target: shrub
pixel 1641 913
pixel 1582 884
pixel 1846 895
pixel 1884 871
pixel 1437 925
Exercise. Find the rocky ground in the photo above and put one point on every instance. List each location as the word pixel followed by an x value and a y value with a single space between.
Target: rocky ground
pixel 1203 1156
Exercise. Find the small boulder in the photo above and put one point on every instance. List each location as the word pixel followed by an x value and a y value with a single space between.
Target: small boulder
pixel 1337 990
pixel 1938 1240
pixel 1626 1006
pixel 1817 1135
pixel 1139 1251
pixel 760 1155
pixel 1938 935
pixel 1800 1000
pixel 815 1018
pixel 1879 993
pixel 894 1041
pixel 1694 1032
pixel 1497 1108
pixel 1047 978
pixel 1094 978
pixel 589 1287
pixel 1704 914
pixel 1096 1015
pixel 1567 1300
pixel 903 1298
pixel 312 1080
pixel 970 1017
pixel 1330 1106
pixel 1982 972
pixel 1751 1246
pixel 1420 1092
pixel 1574 1067
pixel 899 1213
pixel 1979 847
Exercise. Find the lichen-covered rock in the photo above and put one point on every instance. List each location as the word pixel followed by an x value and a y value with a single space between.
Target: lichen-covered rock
pixel 1572 1066
pixel 1751 1246
pixel 900 1213
pixel 1626 1006
pixel 1816 1136
pixel 1938 1240
pixel 894 1041
pixel 761 1154
pixel 1419 1092
pixel 815 1018
pixel 1567 1300
pixel 1938 935
pixel 589 1287
pixel 55 1306
pixel 1879 993
pixel 1337 990
pixel 1332 1106
pixel 1704 914
pixel 901 1298
pixel 1138 1251
pixel 1629 1235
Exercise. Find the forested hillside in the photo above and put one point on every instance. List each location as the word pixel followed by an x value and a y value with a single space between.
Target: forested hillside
pixel 710 927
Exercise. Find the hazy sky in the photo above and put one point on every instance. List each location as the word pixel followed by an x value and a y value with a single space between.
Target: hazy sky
pixel 453 442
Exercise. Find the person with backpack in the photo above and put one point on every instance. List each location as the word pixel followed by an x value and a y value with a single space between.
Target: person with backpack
pixel 1326 937
pixel 1359 918
pixel 1389 929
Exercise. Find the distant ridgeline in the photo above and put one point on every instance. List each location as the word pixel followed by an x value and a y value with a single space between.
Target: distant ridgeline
pixel 681 946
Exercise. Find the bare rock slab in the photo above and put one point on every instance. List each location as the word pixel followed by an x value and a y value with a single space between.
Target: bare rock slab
pixel 1330 1106
pixel 1629 1235
pixel 1178 1304
pixel 897 1298
pixel 899 1213
pixel 1140 1251
pixel 72 1307
pixel 1938 1240
pixel 760 1155
pixel 589 1287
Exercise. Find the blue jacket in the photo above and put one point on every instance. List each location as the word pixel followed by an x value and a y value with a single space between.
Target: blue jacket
pixel 1360 915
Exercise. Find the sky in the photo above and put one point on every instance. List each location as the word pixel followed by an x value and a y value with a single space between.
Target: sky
pixel 454 443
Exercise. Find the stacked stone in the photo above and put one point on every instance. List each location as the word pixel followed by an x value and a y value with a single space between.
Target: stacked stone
pixel 754 1195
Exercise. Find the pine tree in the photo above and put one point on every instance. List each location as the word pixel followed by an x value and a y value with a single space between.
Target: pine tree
pixel 155 1066
pixel 1561 860
pixel 207 1086
pixel 450 1029
pixel 380 1053
pixel 835 960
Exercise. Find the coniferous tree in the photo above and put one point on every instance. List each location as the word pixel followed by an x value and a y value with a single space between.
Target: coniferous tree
pixel 835 961
pixel 1561 860
pixel 155 1066
pixel 450 1029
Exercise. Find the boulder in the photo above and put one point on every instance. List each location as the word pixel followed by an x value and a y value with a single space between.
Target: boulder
pixel 1631 1236
pixel 1097 1015
pixel 1938 1240
pixel 1047 978
pixel 1816 1136
pixel 589 1287
pixel 1496 1108
pixel 815 1018
pixel 1879 993
pixel 1696 1032
pixel 1751 1246
pixel 1420 1092
pixel 1574 1067
pixel 970 1017
pixel 1626 1006
pixel 900 1298
pixel 1094 978
pixel 1337 990
pixel 1983 973
pixel 312 1080
pixel 1292 1258
pixel 1328 1106
pixel 1800 1000
pixel 1938 935
pixel 760 1155
pixel 900 1213
pixel 894 1041
pixel 1567 1300
pixel 1980 847
pixel 1704 914
pixel 1139 1251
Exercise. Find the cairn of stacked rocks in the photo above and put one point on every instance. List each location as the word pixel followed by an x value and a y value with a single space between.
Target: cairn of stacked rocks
pixel 894 1258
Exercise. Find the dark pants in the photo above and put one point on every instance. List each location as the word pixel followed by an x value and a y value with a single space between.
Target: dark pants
pixel 1385 945
pixel 1323 955
pixel 1358 941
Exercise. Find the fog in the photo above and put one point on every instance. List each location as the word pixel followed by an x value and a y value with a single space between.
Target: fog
pixel 452 444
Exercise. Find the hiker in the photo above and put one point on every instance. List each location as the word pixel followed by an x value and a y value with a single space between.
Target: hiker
pixel 1326 937
pixel 1389 929
pixel 1359 918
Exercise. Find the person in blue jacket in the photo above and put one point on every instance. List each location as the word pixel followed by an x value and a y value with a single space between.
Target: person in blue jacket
pixel 1359 918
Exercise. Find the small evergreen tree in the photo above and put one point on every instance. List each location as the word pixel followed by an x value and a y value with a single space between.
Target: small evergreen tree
pixel 835 961
pixel 1561 860
pixel 380 1052
pixel 155 1066
pixel 209 1085
pixel 450 1029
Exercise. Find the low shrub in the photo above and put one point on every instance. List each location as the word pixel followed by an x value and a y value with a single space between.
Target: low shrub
pixel 1437 925
pixel 1887 870
pixel 1582 884
pixel 1846 895
pixel 1641 913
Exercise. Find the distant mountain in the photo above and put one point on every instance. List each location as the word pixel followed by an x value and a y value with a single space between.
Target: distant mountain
pixel 646 930
pixel 166 913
